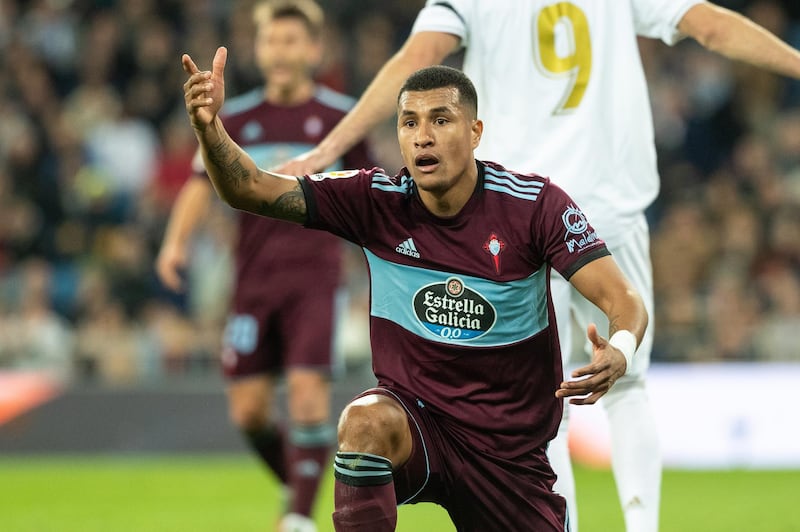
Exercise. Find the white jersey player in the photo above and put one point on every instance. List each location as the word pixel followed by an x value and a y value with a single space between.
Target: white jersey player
pixel 563 92
pixel 564 86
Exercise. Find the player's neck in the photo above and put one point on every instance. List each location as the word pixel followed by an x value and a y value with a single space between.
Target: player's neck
pixel 447 204
pixel 290 94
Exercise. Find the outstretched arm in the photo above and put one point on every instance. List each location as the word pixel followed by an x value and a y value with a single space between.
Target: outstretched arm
pixel 378 101
pixel 234 174
pixel 603 283
pixel 737 37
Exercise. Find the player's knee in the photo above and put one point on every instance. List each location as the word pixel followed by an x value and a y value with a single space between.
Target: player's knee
pixel 248 415
pixel 309 410
pixel 376 428
pixel 309 399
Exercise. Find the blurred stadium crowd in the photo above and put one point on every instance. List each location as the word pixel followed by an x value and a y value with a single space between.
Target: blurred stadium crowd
pixel 95 144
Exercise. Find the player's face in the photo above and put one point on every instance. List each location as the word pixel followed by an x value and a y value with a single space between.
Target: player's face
pixel 286 52
pixel 437 136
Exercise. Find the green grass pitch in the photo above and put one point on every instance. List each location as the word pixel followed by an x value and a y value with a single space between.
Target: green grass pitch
pixel 215 493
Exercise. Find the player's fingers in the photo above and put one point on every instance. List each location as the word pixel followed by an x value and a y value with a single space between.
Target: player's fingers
pixel 588 400
pixel 170 278
pixel 198 89
pixel 294 168
pixel 592 396
pixel 288 168
pixel 592 368
pixel 573 388
pixel 188 65
pixel 194 104
pixel 599 381
pixel 594 336
pixel 218 65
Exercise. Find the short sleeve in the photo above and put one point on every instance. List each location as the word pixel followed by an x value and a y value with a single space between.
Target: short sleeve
pixel 445 16
pixel 563 234
pixel 659 19
pixel 340 203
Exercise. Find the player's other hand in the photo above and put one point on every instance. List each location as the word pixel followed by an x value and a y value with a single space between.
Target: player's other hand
pixel 594 380
pixel 310 162
pixel 171 261
pixel 204 91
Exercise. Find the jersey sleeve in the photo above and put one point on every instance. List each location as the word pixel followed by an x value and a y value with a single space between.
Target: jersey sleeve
pixel 659 19
pixel 340 203
pixel 563 234
pixel 446 16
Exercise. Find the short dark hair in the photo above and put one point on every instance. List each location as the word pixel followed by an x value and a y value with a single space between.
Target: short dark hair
pixel 308 11
pixel 440 76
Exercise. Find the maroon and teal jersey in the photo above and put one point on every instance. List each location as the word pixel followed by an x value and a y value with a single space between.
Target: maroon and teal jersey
pixel 272 135
pixel 460 309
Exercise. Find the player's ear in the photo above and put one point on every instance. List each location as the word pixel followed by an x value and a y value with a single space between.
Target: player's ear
pixel 477 131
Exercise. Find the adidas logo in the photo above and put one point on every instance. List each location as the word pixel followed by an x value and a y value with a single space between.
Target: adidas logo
pixel 407 247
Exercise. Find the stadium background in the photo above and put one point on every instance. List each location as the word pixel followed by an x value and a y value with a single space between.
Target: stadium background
pixel 97 358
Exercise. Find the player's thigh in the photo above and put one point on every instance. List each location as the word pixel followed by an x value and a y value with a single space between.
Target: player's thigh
pixel 419 477
pixel 250 400
pixel 489 493
pixel 632 254
pixel 306 324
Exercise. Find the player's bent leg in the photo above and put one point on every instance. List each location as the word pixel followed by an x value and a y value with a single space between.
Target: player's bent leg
pixel 310 439
pixel 635 454
pixel 249 403
pixel 374 437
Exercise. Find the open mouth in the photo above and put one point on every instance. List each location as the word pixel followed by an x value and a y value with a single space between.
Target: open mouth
pixel 426 163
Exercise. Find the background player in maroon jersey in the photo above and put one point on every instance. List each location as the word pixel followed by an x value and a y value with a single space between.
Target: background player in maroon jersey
pixel 286 276
pixel 465 346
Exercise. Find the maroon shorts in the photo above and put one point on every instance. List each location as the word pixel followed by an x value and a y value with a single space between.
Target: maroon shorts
pixel 481 492
pixel 291 325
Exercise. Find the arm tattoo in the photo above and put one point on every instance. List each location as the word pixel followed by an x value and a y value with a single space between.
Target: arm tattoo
pixel 228 160
pixel 290 206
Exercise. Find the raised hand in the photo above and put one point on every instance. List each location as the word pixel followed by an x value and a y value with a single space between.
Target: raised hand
pixel 608 364
pixel 204 91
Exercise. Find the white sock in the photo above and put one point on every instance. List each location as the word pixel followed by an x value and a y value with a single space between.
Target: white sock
pixel 558 454
pixel 635 455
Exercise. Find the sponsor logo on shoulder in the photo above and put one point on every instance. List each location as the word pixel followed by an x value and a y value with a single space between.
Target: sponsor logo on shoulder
pixel 407 247
pixel 341 174
pixel 453 311
pixel 578 235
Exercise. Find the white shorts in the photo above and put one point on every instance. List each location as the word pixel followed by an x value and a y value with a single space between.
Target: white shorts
pixel 632 254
